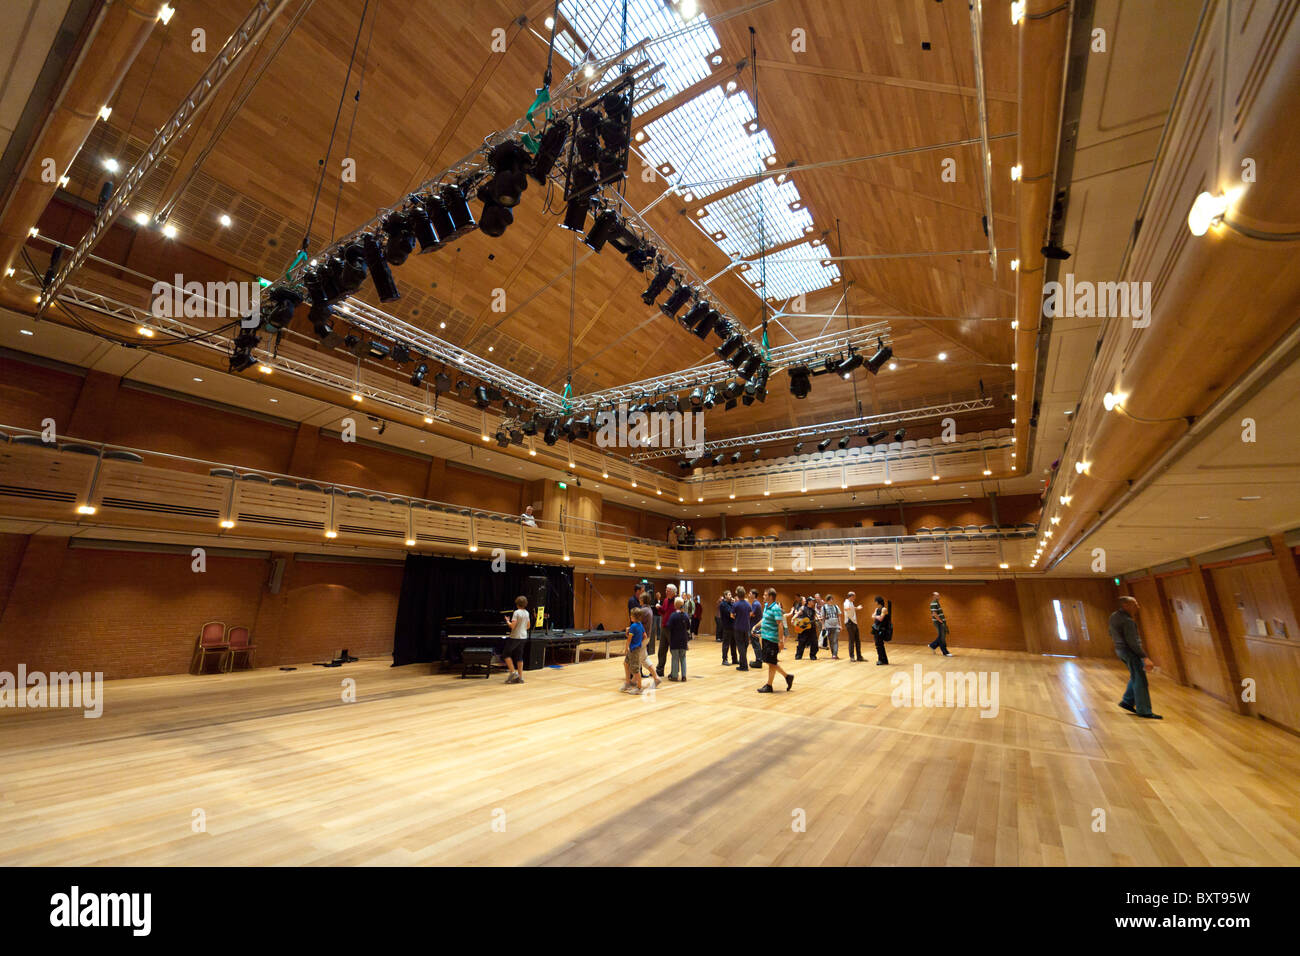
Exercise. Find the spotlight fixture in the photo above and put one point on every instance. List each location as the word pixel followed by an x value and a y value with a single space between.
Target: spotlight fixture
pixel 379 271
pixel 680 296
pixel 529 427
pixel 843 443
pixel 877 438
pixel 552 433
pixel 401 353
pixel 717 459
pixel 657 285
pixel 735 458
pixel 322 323
pixel 582 182
pixel 376 350
pixel 457 206
pixel 1053 251
pixel 421 225
pixel 495 218
pixel 798 447
pixel 352 269
pixel 898 435
pixel 732 342
pixel 710 397
pixel 757 452
pixel 752 365
pixel 283 304
pixel 401 239
pixel 481 397
pixel 605 227
pixel 823 444
pixel 800 382
pixel 849 363
pixel 548 151
pixel 640 256
pixel 241 358
pixel 509 162
pixel 699 319
pixel 502 438
pixel 697 397
pixel 883 354
pixel 417 376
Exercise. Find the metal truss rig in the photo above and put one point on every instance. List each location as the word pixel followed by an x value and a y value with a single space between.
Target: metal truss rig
pixel 848 424
pixel 244 38
pixel 784 356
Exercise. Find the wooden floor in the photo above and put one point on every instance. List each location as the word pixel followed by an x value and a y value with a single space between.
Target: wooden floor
pixel 421 767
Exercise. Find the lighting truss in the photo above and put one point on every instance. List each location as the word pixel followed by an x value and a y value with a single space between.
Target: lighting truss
pixel 244 38
pixel 365 316
pixel 575 91
pixel 840 427
pixel 795 353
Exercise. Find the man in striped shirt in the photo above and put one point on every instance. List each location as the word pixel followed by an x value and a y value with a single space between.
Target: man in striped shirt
pixel 940 643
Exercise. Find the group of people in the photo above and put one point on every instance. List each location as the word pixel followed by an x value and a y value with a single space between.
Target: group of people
pixel 681 535
pixel 747 619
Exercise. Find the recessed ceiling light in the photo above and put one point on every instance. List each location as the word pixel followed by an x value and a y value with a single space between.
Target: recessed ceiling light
pixel 26 332
pixel 1242 498
pixel 943 356
pixel 224 220
pixel 197 379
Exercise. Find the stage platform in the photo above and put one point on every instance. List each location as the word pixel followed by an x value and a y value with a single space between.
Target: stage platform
pixel 417 770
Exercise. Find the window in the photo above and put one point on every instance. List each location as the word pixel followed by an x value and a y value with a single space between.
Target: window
pixel 1062 632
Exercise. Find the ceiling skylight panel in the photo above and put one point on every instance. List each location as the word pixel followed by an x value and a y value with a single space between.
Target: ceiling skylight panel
pixel 792 271
pixel 684 58
pixel 706 140
pixel 756 218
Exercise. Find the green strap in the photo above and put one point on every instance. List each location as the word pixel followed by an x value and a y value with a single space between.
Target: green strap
pixel 543 98
pixel 568 393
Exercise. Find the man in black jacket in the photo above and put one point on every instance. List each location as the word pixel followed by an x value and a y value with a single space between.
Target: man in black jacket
pixel 723 622
pixel 1128 646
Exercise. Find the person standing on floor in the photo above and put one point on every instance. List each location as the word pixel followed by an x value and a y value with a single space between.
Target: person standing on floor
pixel 634 603
pixel 516 649
pixel 696 611
pixel 679 639
pixel 831 625
pixel 940 643
pixel 666 610
pixel 851 610
pixel 1128 647
pixel 819 615
pixel 726 614
pixel 803 623
pixel 772 629
pixel 635 658
pixel 741 610
pixel 882 628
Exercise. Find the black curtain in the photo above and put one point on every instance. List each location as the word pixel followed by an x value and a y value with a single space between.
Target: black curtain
pixel 436 588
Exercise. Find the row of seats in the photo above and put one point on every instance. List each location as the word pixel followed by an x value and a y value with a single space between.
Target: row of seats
pixel 926 446
pixel 112 454
pixel 969 532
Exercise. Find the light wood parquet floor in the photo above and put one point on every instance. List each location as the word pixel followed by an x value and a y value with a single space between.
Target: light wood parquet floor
pixel 430 769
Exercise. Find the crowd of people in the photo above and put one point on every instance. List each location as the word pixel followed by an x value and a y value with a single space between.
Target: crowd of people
pixel 745 621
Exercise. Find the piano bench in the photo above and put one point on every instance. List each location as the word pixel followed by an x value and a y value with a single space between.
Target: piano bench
pixel 476 657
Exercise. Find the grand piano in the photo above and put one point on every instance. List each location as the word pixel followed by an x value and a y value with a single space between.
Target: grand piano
pixel 473 639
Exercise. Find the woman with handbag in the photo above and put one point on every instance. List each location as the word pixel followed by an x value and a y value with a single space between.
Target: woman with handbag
pixel 882 627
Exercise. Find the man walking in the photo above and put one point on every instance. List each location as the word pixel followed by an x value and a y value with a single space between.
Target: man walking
pixel 1128 647
pixel 940 643
pixel 772 630
pixel 665 612
pixel 851 609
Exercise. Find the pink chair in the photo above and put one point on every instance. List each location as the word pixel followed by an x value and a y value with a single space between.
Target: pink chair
pixel 239 641
pixel 212 640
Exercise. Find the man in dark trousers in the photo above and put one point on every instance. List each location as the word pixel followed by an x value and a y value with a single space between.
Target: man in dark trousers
pixel 723 621
pixel 1128 646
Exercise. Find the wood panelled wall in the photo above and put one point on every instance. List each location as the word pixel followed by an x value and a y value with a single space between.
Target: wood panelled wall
pixel 1229 627
pixel 1099 599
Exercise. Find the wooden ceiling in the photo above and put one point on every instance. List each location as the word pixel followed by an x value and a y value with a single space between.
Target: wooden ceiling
pixel 431 88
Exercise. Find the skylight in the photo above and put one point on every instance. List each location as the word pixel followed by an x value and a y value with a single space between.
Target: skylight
pixel 706 139
pixel 734 222
pixel 787 277
pixel 600 25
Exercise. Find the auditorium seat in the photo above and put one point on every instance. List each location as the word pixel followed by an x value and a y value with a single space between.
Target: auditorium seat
pixel 378 498
pixel 397 501
pixel 308 486
pixel 80 449
pixel 221 473
pixel 355 494
pixel 954 529
pixel 211 640
pixel 239 640
pixel 117 454
pixel 31 440
pixel 254 476
pixel 283 483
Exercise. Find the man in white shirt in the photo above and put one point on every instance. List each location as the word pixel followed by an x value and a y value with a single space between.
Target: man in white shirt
pixel 851 609
pixel 517 643
pixel 527 517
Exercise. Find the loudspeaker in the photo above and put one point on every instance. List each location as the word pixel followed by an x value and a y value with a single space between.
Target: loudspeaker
pixel 277 575
pixel 536 655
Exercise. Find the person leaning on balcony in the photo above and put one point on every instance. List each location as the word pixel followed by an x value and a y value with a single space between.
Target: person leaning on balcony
pixel 527 517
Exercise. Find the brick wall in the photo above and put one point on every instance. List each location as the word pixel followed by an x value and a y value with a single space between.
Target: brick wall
pixel 137 614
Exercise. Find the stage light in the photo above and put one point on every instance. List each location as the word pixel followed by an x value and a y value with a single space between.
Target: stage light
pixel 843 442
pixel 552 433
pixel 798 447
pixel 729 345
pixel 680 296
pixel 401 240
pixel 900 434
pixel 849 363
pixel 241 358
pixel 735 459
pixel 503 439
pixel 417 376
pixel 710 397
pixel 640 256
pixel 548 151
pixel 400 354
pixel 733 389
pixel 376 350
pixel 697 397
pixel 352 267
pixel 581 184
pixel 823 444
pixel 752 365
pixel 697 319
pixel 454 201
pixel 607 224
pixel 717 459
pixel 283 304
pixel 1111 399
pixel 883 354
pixel 529 427
pixel 481 397
pixel 1053 251
pixel 800 382
pixel 657 285
pixel 322 323
pixel 494 219
pixel 509 161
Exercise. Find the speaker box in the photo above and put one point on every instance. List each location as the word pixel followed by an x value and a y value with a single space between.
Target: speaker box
pixel 277 575
pixel 535 590
pixel 536 656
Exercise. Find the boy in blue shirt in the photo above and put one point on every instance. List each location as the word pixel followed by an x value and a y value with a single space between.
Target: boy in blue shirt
pixel 635 658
